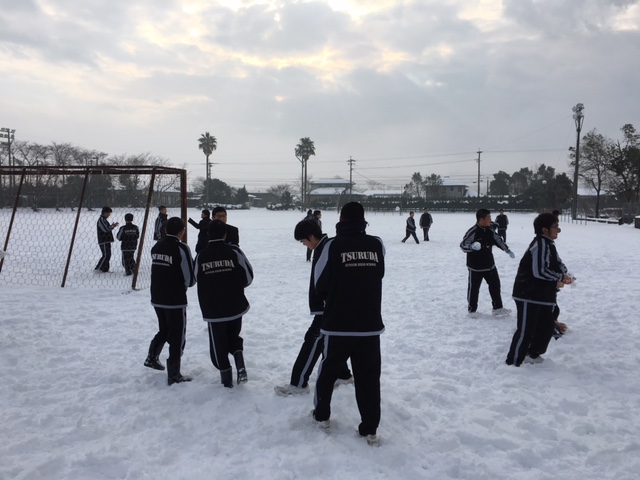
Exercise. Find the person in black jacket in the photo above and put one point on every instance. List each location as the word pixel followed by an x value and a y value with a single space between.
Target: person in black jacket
pixel 426 220
pixel 410 229
pixel 160 227
pixel 540 274
pixel 503 222
pixel 233 235
pixel 128 235
pixel 171 275
pixel 223 272
pixel 348 276
pixel 309 234
pixel 105 239
pixel 478 244
pixel 202 227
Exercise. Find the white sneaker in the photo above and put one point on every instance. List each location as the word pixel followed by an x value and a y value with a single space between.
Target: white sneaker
pixel 373 440
pixel 286 390
pixel 501 312
pixel 343 381
pixel 533 361
pixel 474 314
pixel 323 425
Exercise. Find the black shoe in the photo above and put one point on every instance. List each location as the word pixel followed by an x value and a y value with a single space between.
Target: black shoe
pixel 179 378
pixel 154 363
pixel 226 378
pixel 242 376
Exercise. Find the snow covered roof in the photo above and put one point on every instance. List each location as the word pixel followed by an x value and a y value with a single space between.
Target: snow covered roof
pixel 382 193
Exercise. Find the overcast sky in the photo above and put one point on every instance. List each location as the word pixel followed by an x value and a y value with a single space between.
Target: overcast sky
pixel 399 86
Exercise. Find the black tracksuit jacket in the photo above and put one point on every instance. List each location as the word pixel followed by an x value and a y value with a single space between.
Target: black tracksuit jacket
pixel 171 273
pixel 222 272
pixel 128 235
pixel 539 272
pixel 481 260
pixel 348 276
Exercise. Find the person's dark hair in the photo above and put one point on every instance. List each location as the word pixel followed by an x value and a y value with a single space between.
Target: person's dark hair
pixel 305 228
pixel 161 207
pixel 544 220
pixel 352 211
pixel 482 213
pixel 411 213
pixel 174 226
pixel 128 217
pixel 316 213
pixel 206 213
pixel 106 209
pixel 218 210
pixel 309 212
pixel 217 229
pixel 501 210
pixel 556 213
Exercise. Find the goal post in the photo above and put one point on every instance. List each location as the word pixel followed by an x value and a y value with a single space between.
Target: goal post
pixel 49 214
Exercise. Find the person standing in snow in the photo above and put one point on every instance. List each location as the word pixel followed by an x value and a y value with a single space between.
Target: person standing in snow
pixel 310 235
pixel 128 235
pixel 503 222
pixel 410 228
pixel 202 226
pixel 540 274
pixel 160 227
pixel 171 275
pixel 223 272
pixel 348 277
pixel 105 239
pixel 478 244
pixel 426 220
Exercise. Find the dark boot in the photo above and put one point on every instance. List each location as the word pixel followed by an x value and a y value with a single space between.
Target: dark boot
pixel 153 362
pixel 242 371
pixel 226 377
pixel 173 372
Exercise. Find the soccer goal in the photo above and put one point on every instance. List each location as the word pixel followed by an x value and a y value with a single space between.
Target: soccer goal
pixel 49 215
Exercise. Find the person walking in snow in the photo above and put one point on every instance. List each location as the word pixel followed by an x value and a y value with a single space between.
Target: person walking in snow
pixel 223 272
pixel 478 244
pixel 410 228
pixel 502 222
pixel 310 235
pixel 171 275
pixel 348 277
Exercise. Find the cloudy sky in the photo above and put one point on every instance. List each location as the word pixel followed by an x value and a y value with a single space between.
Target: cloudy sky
pixel 399 86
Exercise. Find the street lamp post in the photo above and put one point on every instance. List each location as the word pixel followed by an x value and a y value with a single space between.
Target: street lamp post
pixel 578 117
pixel 9 134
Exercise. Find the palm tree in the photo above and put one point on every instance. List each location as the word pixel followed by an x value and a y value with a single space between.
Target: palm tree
pixel 207 143
pixel 302 152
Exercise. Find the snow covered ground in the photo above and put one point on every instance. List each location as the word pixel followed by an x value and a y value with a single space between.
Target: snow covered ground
pixel 76 402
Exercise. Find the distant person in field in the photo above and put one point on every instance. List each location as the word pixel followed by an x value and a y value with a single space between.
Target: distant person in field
pixel 410 230
pixel 160 227
pixel 540 274
pixel 105 239
pixel 426 220
pixel 478 244
pixel 223 272
pixel 128 236
pixel 310 235
pixel 503 222
pixel 171 275
pixel 233 234
pixel 202 226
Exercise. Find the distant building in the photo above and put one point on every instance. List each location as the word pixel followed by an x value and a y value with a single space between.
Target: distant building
pixel 450 188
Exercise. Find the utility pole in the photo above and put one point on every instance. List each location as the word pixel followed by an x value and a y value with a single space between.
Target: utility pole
pixel 351 161
pixel 578 117
pixel 479 152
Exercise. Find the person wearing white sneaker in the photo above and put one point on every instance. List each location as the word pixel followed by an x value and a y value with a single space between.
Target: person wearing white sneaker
pixel 348 277
pixel 540 274
pixel 309 233
pixel 478 244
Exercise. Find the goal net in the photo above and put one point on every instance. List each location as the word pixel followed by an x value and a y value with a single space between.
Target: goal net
pixel 49 216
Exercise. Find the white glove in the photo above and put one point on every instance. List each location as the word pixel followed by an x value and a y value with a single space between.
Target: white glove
pixel 476 246
pixel 511 254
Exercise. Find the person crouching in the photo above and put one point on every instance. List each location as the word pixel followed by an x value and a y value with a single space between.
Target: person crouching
pixel 223 272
